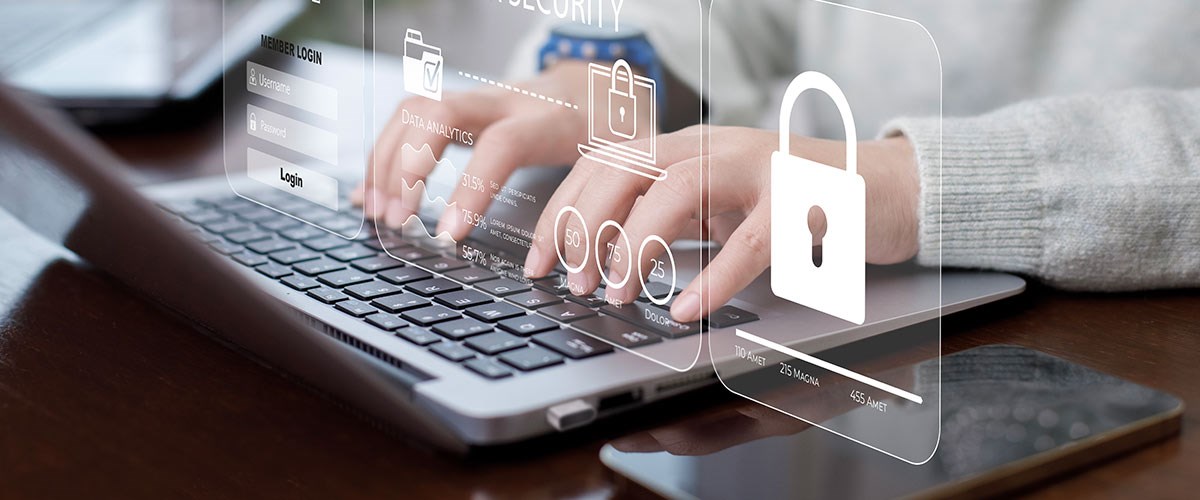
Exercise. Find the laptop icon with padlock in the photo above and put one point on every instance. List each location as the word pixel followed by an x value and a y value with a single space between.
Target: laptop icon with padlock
pixel 622 111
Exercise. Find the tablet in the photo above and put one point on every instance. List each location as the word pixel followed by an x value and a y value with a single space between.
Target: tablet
pixel 1010 417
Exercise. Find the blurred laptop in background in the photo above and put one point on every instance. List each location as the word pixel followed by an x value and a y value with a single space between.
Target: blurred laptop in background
pixel 118 61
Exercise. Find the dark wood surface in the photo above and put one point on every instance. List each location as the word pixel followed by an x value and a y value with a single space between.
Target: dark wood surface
pixel 103 395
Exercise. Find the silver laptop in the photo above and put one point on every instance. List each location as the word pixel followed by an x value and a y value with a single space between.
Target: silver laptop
pixel 289 295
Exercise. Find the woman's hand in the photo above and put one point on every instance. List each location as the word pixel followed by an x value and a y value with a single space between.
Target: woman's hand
pixel 509 129
pixel 738 212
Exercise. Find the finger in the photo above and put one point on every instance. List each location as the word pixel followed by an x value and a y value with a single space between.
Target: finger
pixel 664 212
pixel 609 196
pixel 738 263
pixel 501 148
pixel 543 253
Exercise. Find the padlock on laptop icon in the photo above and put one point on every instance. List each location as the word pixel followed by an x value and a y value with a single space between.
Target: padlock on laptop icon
pixel 836 284
pixel 622 104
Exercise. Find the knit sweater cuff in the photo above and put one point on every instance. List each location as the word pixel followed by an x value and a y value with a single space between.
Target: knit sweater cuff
pixel 980 206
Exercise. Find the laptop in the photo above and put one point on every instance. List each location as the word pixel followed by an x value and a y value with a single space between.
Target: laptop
pixel 370 330
pixel 111 61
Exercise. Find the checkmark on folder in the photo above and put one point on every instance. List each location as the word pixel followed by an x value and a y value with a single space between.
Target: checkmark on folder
pixel 433 75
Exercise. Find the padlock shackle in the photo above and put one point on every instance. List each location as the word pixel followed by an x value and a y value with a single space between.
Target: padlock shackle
pixel 620 63
pixel 813 80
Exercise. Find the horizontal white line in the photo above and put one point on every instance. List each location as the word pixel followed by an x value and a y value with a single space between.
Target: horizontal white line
pixel 831 367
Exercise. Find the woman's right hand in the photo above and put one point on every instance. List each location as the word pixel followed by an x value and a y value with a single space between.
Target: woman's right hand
pixel 510 129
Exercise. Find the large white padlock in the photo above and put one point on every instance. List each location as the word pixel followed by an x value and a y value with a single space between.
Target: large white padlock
pixel 622 105
pixel 837 286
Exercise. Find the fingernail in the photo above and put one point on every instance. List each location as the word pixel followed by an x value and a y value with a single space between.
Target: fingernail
pixel 396 214
pixel 641 442
pixel 533 262
pixel 686 308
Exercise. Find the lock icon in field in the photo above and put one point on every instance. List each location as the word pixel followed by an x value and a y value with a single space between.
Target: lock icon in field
pixel 622 104
pixel 253 122
pixel 836 283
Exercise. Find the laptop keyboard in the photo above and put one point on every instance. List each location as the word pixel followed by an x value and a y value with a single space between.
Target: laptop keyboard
pixel 489 320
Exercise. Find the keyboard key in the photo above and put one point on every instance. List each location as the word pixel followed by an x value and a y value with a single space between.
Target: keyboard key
pixel 256 214
pixel 391 243
pixel 488 368
pixel 227 226
pixel 617 331
pixel 429 288
pixel 555 284
pixel 270 246
pixel 243 237
pixel 659 291
pixel 326 243
pixel 404 275
pixel 461 328
pixel 471 275
pixel 443 264
pixel 494 343
pixel 463 299
pixel 527 325
pixel 249 259
pixel 206 236
pixel 412 253
pixel 572 344
pixel 356 308
pixel 279 224
pixel 295 256
pixel 327 295
pixel 652 318
pixel 352 252
pixel 730 316
pixel 371 290
pixel 495 311
pixel 591 301
pixel 452 352
pixel 303 233
pixel 502 286
pixel 534 299
pixel 203 217
pixel 387 322
pixel 376 264
pixel 273 270
pixel 224 247
pixel 566 312
pixel 300 283
pixel 342 225
pixel 426 316
pixel 531 358
pixel 418 335
pixel 321 266
pixel 339 279
pixel 400 302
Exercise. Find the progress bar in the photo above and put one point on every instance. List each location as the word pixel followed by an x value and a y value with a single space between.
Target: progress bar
pixel 831 367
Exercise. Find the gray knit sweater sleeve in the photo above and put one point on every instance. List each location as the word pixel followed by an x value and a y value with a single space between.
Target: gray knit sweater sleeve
pixel 1097 192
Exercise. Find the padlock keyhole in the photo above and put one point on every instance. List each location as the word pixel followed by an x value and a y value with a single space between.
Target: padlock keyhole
pixel 817 227
pixel 622 111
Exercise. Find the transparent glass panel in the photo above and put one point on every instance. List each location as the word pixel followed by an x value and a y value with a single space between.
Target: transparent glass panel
pixel 798 105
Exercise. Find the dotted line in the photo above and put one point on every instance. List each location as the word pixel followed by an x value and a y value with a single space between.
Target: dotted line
pixel 505 86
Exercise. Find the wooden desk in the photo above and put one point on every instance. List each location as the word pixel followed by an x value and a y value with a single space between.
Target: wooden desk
pixel 103 395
